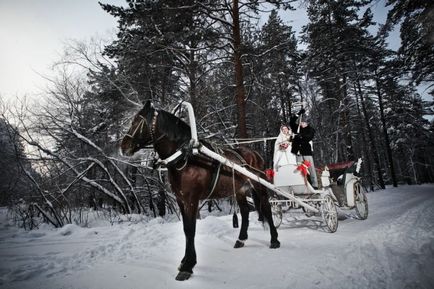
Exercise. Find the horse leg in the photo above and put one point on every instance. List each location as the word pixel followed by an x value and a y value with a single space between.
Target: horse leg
pixel 244 210
pixel 189 260
pixel 266 211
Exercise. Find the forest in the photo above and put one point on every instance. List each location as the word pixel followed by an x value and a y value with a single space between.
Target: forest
pixel 60 158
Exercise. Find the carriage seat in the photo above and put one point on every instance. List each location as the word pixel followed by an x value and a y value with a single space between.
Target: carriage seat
pixel 338 171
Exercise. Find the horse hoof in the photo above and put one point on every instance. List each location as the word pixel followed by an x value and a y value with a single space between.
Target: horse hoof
pixel 275 245
pixel 238 244
pixel 182 276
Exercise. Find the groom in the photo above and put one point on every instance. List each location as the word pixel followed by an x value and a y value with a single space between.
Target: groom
pixel 301 146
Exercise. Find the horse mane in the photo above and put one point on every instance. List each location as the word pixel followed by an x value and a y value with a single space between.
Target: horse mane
pixel 174 127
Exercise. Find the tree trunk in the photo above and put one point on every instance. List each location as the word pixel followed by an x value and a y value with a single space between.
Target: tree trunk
pixel 367 160
pixel 347 123
pixel 371 139
pixel 240 93
pixel 282 102
pixel 413 165
pixel 385 134
pixel 192 78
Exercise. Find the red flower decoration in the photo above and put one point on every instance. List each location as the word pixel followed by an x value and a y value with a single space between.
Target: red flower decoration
pixel 303 167
pixel 269 173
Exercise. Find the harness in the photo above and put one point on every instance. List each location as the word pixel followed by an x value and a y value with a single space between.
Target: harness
pixel 216 172
pixel 152 131
pixel 183 152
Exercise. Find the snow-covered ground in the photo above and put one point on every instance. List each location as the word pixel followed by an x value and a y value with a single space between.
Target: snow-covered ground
pixel 393 248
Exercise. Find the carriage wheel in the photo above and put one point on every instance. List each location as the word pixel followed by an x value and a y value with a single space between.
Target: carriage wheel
pixel 276 210
pixel 361 201
pixel 329 214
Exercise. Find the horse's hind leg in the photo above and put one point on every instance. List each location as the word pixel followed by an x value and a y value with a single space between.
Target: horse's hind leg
pixel 244 210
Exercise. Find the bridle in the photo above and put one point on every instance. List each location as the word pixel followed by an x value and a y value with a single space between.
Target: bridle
pixel 139 128
pixel 140 125
pixel 175 157
pixel 153 127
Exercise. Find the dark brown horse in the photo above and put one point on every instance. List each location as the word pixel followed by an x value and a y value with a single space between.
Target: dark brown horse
pixel 197 177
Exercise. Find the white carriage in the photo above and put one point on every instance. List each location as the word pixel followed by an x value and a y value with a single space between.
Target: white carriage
pixel 343 189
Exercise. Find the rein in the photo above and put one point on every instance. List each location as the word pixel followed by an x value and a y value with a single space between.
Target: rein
pixel 249 140
pixel 140 125
pixel 152 131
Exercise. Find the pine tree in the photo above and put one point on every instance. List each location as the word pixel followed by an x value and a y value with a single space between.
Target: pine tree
pixel 417 49
pixel 280 60
pixel 338 49
pixel 160 44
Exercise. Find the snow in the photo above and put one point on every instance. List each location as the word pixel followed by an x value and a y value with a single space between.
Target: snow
pixel 393 248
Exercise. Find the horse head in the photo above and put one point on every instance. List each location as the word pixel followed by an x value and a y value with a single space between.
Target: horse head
pixel 165 131
pixel 139 134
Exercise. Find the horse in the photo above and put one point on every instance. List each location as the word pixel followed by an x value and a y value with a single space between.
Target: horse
pixel 195 177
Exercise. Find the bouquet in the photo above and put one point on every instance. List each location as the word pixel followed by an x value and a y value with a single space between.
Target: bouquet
pixel 283 146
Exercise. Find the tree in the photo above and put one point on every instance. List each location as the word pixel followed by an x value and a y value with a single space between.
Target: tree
pixel 281 64
pixel 240 91
pixel 332 37
pixel 13 162
pixel 163 47
pixel 417 49
pixel 184 37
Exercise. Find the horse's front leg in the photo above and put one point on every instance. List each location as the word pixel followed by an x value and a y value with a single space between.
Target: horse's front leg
pixel 188 211
pixel 244 210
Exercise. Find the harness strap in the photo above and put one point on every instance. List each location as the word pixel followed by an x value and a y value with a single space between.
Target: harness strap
pixel 183 151
pixel 215 178
pixel 170 159
pixel 238 156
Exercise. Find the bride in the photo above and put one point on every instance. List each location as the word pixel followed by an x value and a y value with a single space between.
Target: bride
pixel 282 149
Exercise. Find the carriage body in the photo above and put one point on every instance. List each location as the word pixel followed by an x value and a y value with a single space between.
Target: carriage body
pixel 288 178
pixel 341 187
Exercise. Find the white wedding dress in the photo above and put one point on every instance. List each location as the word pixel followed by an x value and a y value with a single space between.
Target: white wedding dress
pixel 283 156
pixel 286 175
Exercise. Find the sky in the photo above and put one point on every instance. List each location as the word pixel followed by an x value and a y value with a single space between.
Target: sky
pixel 33 34
pixel 32 37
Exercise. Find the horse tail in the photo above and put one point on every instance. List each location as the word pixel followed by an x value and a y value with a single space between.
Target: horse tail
pixel 257 203
pixel 256 164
